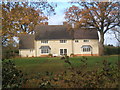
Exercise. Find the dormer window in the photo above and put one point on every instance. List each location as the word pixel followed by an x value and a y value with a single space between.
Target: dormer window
pixel 85 40
pixel 44 41
pixel 63 41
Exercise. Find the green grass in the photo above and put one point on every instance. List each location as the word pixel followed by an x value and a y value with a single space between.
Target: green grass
pixel 35 69
pixel 55 64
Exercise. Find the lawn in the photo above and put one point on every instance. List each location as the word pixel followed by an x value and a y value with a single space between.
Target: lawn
pixel 36 69
pixel 55 64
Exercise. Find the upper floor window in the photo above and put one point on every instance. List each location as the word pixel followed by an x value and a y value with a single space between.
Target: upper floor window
pixel 44 41
pixel 63 41
pixel 31 50
pixel 76 41
pixel 85 40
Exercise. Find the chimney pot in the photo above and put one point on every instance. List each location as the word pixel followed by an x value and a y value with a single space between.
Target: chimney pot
pixel 46 23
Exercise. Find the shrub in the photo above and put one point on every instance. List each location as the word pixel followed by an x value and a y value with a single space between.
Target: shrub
pixel 102 77
pixel 71 55
pixel 111 50
pixel 11 77
pixel 7 54
pixel 50 55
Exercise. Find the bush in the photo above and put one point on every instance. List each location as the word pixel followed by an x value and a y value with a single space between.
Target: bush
pixel 11 77
pixel 102 77
pixel 71 55
pixel 7 54
pixel 50 55
pixel 111 50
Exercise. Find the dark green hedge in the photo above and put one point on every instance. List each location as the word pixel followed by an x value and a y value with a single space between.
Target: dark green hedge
pixel 111 50
pixel 9 52
pixel 11 76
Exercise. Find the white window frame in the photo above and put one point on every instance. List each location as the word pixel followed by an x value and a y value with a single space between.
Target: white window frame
pixel 76 41
pixel 86 49
pixel 44 41
pixel 63 51
pixel 44 51
pixel 63 41
pixel 85 40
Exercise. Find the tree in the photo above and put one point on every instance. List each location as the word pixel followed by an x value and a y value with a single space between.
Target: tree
pixel 116 32
pixel 102 16
pixel 73 14
pixel 21 17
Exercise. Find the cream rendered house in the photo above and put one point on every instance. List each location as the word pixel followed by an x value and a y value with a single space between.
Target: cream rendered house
pixel 57 40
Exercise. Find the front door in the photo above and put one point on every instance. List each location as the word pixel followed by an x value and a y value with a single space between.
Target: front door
pixel 63 51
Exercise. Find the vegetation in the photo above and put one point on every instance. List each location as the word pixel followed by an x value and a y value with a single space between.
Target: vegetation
pixel 111 50
pixel 22 17
pixel 103 16
pixel 11 77
pixel 55 72
pixel 9 52
pixel 74 72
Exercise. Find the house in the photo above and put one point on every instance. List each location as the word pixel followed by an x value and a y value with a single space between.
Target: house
pixel 57 40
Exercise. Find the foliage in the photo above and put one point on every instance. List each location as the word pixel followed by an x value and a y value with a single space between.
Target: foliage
pixel 73 14
pixel 105 77
pixel 9 52
pixel 55 64
pixel 22 17
pixel 111 50
pixel 82 72
pixel 77 72
pixel 11 77
pixel 72 54
pixel 50 55
pixel 102 16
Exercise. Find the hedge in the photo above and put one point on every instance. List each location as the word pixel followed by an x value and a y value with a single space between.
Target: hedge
pixel 111 50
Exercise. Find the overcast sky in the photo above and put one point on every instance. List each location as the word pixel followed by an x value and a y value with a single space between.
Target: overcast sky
pixel 59 18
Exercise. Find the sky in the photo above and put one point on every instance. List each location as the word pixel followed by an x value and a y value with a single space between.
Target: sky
pixel 58 19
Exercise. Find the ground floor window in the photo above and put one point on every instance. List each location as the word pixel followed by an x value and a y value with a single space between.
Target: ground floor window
pixel 86 48
pixel 63 51
pixel 45 49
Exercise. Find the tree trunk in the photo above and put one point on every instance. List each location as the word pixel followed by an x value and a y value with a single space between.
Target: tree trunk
pixel 101 49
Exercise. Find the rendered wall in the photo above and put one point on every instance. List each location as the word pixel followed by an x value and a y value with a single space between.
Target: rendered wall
pixel 55 46
pixel 26 53
pixel 92 42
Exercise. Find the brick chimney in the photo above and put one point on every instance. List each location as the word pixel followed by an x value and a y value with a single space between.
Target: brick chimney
pixel 46 23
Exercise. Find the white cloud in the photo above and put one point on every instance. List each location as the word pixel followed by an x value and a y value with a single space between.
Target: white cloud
pixel 56 20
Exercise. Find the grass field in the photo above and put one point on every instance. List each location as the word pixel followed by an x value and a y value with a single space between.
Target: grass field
pixel 35 69
pixel 55 64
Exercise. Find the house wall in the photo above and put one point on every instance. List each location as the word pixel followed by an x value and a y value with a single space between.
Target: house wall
pixel 55 46
pixel 92 42
pixel 26 52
